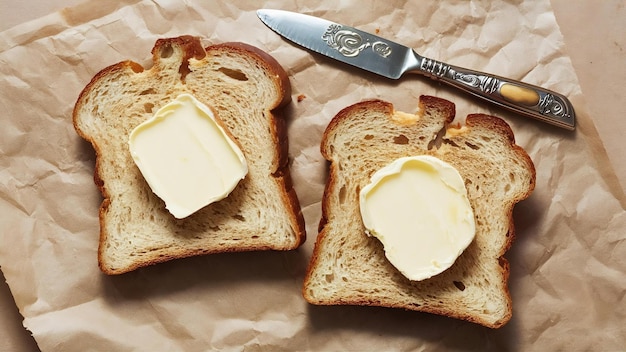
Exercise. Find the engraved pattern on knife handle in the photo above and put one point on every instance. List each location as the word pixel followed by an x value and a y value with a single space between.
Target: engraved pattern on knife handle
pixel 350 43
pixel 486 84
pixel 523 98
pixel 555 105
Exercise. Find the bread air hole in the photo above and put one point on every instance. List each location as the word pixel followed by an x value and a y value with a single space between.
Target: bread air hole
pixel 512 177
pixel 436 142
pixel 234 74
pixel 166 51
pixel 342 195
pixel 368 137
pixel 239 217
pixel 459 285
pixel 472 146
pixel 148 91
pixel 148 107
pixel 401 139
pixel 451 143
pixel 329 278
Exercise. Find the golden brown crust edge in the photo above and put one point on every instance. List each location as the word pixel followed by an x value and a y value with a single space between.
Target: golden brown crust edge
pixel 281 171
pixel 130 67
pixel 496 123
pixel 270 63
pixel 386 108
pixel 472 120
pixel 193 49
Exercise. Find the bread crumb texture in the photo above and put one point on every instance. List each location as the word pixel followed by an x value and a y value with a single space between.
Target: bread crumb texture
pixel 348 267
pixel 245 87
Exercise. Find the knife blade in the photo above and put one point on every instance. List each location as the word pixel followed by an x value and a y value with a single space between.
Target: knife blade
pixel 392 60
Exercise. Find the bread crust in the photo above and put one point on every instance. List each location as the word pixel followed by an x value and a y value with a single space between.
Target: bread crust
pixel 193 50
pixel 497 124
pixel 384 110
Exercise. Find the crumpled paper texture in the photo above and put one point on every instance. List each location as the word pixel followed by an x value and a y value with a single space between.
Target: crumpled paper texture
pixel 568 263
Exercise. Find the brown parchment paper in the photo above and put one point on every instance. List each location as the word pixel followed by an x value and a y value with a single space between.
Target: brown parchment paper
pixel 568 279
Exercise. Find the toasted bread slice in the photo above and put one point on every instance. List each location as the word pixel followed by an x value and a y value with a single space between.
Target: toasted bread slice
pixel 350 268
pixel 246 88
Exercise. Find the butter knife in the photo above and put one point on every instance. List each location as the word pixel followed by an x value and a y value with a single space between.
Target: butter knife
pixel 392 60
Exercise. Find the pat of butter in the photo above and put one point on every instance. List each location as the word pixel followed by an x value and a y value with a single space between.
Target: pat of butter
pixel 418 208
pixel 456 131
pixel 186 156
pixel 404 118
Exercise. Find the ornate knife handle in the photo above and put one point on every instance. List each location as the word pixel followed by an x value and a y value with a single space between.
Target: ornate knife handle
pixel 523 98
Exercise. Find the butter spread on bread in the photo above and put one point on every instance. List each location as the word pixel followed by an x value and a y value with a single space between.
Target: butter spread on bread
pixel 417 207
pixel 349 267
pixel 186 156
pixel 246 88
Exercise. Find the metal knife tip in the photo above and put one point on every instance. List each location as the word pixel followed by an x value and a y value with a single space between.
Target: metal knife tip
pixel 263 13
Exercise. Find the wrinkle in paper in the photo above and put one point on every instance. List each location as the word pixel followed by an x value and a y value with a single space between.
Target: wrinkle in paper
pixel 568 266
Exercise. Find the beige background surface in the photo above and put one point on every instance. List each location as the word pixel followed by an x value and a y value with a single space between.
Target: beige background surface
pixel 595 35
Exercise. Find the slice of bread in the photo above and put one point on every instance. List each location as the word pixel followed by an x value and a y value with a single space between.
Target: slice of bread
pixel 246 88
pixel 350 268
